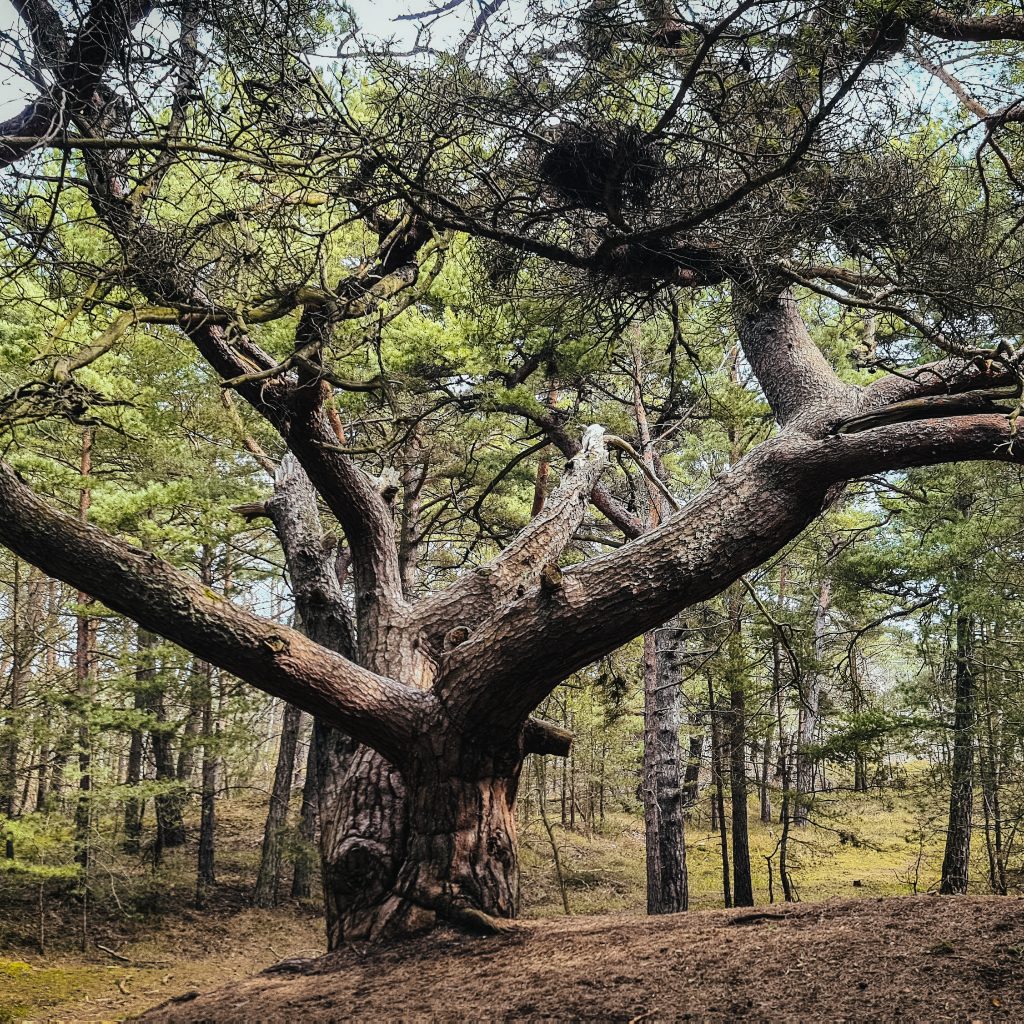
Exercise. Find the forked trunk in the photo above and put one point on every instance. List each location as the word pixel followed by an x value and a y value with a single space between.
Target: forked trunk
pixel 401 856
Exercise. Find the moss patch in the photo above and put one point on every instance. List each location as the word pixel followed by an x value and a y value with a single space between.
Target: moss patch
pixel 27 990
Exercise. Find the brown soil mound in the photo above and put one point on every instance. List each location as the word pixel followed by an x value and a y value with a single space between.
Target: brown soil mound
pixel 921 958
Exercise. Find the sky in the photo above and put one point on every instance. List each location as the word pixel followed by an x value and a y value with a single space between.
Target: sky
pixel 376 17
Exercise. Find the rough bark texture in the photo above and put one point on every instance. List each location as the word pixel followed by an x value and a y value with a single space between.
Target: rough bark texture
pixel 667 891
pixel 277 813
pixel 811 683
pixel 957 857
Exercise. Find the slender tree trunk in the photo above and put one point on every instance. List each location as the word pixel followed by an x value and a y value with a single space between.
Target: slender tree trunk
pixel 743 888
pixel 664 807
pixel 18 676
pixel 694 759
pixel 43 780
pixel 957 856
pixel 810 696
pixel 991 784
pixel 206 876
pixel 302 878
pixel 170 798
pixel 663 797
pixel 786 820
pixel 84 680
pixel 193 728
pixel 860 758
pixel 648 788
pixel 277 814
pixel 718 797
pixel 134 805
pixel 765 786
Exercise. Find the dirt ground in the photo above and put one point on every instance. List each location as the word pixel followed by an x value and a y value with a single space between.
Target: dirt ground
pixel 125 975
pixel 917 958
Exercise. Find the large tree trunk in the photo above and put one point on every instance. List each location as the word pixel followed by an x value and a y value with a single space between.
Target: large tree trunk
pixel 399 855
pixel 957 857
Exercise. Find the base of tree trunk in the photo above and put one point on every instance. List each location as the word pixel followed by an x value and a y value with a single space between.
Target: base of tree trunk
pixel 401 857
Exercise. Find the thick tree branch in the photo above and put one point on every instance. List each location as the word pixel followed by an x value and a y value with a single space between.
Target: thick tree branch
pixel 480 593
pixel 801 387
pixel 950 387
pixel 982 29
pixel 505 668
pixel 295 408
pixel 319 600
pixel 543 737
pixel 376 710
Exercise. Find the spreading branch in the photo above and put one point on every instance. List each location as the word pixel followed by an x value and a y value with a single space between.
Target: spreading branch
pixel 481 593
pixel 741 520
pixel 798 382
pixel 378 711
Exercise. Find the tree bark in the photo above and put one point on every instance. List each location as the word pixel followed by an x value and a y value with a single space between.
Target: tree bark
pixel 743 888
pixel 718 795
pixel 134 805
pixel 957 856
pixel 27 609
pixel 664 808
pixel 277 814
pixel 302 877
pixel 206 876
pixel 860 757
pixel 84 635
pixel 170 798
pixel 765 789
pixel 810 697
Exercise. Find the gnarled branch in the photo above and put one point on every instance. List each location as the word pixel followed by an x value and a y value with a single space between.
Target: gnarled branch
pixel 801 387
pixel 481 593
pixel 376 710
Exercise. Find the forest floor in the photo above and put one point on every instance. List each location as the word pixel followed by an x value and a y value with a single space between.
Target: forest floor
pixel 196 950
pixel 917 958
pixel 158 945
